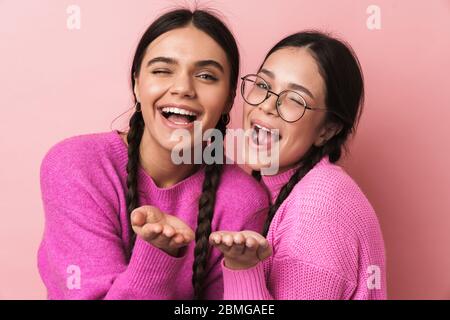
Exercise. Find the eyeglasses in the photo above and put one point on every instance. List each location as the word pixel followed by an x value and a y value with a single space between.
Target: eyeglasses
pixel 291 106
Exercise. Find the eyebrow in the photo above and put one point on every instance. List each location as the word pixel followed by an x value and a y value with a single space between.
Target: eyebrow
pixel 198 64
pixel 293 86
pixel 213 63
pixel 161 59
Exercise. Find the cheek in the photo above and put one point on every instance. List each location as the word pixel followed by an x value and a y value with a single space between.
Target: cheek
pixel 296 142
pixel 214 102
pixel 151 91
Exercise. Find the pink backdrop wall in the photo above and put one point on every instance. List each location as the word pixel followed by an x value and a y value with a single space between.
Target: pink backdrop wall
pixel 56 82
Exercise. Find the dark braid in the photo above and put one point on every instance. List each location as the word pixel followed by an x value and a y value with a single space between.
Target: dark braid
pixel 134 137
pixel 256 174
pixel 205 214
pixel 311 158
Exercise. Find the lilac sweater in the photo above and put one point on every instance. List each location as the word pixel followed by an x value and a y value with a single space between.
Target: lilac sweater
pixel 83 253
pixel 326 239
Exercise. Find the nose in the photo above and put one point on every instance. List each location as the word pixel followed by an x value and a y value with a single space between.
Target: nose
pixel 183 87
pixel 269 105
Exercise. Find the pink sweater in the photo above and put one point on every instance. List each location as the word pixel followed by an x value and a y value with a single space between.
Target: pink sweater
pixel 86 238
pixel 326 239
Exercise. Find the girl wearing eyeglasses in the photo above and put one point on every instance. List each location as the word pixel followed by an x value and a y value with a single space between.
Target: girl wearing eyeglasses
pixel 120 214
pixel 322 239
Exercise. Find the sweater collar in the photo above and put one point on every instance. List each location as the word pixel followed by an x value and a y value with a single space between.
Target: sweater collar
pixel 274 183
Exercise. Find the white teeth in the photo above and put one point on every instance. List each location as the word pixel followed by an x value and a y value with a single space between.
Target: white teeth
pixel 179 111
pixel 262 128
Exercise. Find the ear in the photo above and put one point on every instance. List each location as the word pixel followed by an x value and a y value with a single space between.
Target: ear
pixel 328 131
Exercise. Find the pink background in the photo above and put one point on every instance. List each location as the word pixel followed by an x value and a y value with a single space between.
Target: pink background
pixel 57 83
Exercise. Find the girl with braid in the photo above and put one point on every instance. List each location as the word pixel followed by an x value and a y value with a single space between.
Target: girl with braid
pixel 123 221
pixel 322 239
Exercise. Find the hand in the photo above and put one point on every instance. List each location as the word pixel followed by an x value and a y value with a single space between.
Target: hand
pixel 241 250
pixel 162 230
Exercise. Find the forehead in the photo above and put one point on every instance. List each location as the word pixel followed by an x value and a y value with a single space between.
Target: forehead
pixel 187 44
pixel 296 65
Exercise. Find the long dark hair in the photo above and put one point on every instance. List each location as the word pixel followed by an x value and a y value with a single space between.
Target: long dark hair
pixel 344 96
pixel 217 30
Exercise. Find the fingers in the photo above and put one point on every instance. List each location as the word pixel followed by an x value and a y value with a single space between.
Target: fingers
pixel 178 238
pixel 138 218
pixel 146 214
pixel 154 215
pixel 260 245
pixel 216 239
pixel 264 250
pixel 163 236
pixel 168 231
pixel 232 243
pixel 251 244
pixel 177 241
pixel 150 231
pixel 238 246
pixel 227 239
pixel 162 230
pixel 188 234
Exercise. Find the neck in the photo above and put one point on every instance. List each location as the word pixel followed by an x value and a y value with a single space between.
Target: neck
pixel 282 170
pixel 158 164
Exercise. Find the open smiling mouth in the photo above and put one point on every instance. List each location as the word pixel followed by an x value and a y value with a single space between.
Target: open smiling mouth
pixel 262 136
pixel 178 116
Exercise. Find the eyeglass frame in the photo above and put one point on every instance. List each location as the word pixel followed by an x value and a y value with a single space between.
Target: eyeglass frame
pixel 277 103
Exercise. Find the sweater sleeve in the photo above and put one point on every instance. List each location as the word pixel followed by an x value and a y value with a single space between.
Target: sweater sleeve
pixel 294 280
pixel 81 255
pixel 313 259
pixel 248 284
